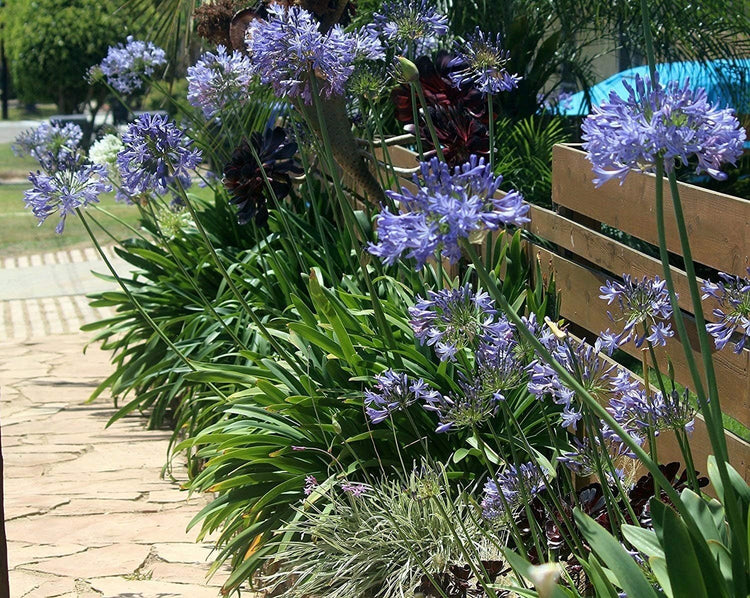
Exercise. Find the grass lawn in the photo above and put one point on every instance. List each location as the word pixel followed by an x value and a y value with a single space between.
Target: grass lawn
pixel 18 112
pixel 11 166
pixel 20 234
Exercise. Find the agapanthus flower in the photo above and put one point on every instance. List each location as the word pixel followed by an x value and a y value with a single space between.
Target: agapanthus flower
pixel 556 102
pixel 733 313
pixel 394 392
pixel 411 26
pixel 155 154
pixel 63 191
pixel 449 205
pixel 452 319
pixel 500 359
pixel 643 303
pixel 468 408
pixel 635 410
pixel 584 362
pixel 288 48
pixel 482 61
pixel 53 145
pixel 126 65
pixel 590 450
pixel 510 488
pixel 243 177
pixel 655 122
pixel 105 151
pixel 217 80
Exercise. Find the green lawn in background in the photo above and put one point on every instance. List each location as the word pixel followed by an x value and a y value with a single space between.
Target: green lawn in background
pixel 20 234
pixel 18 112
pixel 11 166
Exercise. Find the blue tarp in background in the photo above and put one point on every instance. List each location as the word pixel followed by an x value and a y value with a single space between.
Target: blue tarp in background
pixel 726 81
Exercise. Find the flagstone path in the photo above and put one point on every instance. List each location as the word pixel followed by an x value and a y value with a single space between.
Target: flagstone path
pixel 87 512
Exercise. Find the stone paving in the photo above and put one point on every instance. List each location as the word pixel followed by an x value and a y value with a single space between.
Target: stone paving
pixel 87 512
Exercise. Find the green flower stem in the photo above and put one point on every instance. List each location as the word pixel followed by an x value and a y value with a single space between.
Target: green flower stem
pixel 491 118
pixel 715 423
pixel 715 428
pixel 317 216
pixel 346 208
pixel 428 120
pixel 415 117
pixel 120 221
pixel 144 314
pixel 230 283
pixel 700 323
pixel 678 318
pixel 566 521
pixel 290 237
pixel 572 382
pixel 190 280
pixel 492 471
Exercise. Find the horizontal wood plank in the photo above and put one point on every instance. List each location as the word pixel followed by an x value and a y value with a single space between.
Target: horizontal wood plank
pixel 609 254
pixel 700 447
pixel 581 304
pixel 718 224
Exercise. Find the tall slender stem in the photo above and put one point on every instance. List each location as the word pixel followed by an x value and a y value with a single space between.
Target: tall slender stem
pixel 428 121
pixel 571 382
pixel 491 120
pixel 230 283
pixel 144 314
pixel 192 282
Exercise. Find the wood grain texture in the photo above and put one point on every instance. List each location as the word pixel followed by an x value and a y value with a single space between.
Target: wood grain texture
pixel 581 304
pixel 718 224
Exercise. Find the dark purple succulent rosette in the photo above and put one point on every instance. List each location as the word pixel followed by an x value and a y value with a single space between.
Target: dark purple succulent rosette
pixel 243 177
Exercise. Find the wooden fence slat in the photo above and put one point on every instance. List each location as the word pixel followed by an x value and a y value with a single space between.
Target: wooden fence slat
pixel 700 446
pixel 581 305
pixel 718 224
pixel 608 253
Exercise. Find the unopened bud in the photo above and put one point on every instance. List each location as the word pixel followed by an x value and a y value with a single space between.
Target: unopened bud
pixel 408 70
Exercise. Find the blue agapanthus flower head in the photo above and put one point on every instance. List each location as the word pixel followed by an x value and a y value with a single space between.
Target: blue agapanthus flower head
pixel 126 65
pixel 733 314
pixel 452 319
pixel 155 153
pixel 392 392
pixel 411 26
pixel 219 79
pixel 640 412
pixel 509 489
pixel 644 310
pixel 468 408
pixel 481 61
pixel 672 123
pixel 288 48
pixel 53 145
pixel 591 450
pixel 63 191
pixel 583 361
pixel 448 205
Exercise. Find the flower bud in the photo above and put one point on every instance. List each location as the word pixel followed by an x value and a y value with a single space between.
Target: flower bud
pixel 407 69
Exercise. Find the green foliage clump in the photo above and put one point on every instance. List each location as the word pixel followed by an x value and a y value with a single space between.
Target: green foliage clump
pixel 381 543
pixel 52 43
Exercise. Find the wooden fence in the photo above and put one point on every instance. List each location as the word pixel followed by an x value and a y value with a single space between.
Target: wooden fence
pixel 582 258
